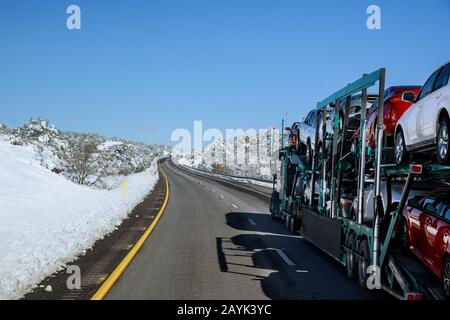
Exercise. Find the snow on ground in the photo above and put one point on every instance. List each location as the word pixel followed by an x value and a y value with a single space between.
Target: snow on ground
pixel 185 162
pixel 108 144
pixel 47 220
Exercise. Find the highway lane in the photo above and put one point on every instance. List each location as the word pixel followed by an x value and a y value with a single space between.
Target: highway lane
pixel 217 242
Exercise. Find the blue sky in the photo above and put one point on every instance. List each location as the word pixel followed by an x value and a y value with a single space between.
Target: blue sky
pixel 140 69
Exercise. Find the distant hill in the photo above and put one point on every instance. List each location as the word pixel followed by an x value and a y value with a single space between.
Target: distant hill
pixel 246 155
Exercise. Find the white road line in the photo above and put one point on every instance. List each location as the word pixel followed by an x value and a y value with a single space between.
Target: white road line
pixel 253 223
pixel 302 271
pixel 284 257
pixel 222 196
pixel 234 206
pixel 226 181
pixel 276 234
pixel 213 190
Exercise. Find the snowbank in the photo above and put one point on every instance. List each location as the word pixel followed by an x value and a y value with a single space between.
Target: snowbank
pixel 46 220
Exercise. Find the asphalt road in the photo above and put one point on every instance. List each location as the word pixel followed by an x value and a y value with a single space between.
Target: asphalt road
pixel 215 241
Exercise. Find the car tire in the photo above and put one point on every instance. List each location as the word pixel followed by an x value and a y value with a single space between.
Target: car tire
pixel 298 146
pixel 363 264
pixel 401 155
pixel 309 152
pixel 404 236
pixel 442 143
pixel 350 264
pixel 446 278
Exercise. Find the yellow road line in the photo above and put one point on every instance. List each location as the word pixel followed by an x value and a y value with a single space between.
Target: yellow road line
pixel 109 282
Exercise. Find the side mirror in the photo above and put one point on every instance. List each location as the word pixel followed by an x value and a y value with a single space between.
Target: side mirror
pixel 408 96
pixel 414 203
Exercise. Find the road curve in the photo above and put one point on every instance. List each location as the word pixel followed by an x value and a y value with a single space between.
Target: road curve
pixel 215 241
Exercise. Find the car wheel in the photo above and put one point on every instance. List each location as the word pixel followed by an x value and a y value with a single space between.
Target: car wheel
pixel 363 264
pixel 442 146
pixel 298 146
pixel 446 278
pixel 309 153
pixel 350 263
pixel 404 236
pixel 401 155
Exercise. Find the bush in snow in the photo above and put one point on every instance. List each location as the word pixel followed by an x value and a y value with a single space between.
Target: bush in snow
pixel 83 165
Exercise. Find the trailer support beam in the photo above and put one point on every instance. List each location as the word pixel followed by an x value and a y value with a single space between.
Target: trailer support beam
pixel 379 159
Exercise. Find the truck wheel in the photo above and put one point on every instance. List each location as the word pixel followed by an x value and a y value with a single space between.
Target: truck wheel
pixel 272 213
pixel 446 278
pixel 295 225
pixel 401 156
pixel 442 146
pixel 288 223
pixel 363 264
pixel 350 265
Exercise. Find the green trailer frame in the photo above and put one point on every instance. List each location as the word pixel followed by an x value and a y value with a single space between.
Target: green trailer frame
pixel 287 204
pixel 331 164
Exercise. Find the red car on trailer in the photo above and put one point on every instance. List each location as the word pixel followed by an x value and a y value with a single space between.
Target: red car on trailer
pixel 425 231
pixel 397 100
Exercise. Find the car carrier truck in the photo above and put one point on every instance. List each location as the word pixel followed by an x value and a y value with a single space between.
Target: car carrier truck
pixel 313 199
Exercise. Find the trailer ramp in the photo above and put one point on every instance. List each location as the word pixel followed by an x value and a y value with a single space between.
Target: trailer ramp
pixel 412 276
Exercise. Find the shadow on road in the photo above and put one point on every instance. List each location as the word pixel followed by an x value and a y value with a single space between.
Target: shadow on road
pixel 287 266
pixel 259 222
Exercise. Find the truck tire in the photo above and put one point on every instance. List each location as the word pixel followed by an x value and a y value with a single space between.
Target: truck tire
pixel 363 264
pixel 272 213
pixel 295 225
pixel 351 258
pixel 288 222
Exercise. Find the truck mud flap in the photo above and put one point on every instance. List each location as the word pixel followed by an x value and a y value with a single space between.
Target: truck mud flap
pixel 323 232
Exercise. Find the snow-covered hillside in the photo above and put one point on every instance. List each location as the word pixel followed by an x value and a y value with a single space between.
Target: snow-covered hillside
pixel 46 219
pixel 84 158
pixel 245 155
